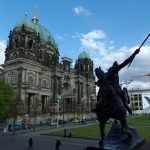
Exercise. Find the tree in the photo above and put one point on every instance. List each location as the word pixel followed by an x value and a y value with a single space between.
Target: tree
pixel 7 100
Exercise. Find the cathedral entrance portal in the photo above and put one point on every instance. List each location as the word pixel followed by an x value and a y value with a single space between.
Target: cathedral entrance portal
pixel 29 102
pixel 44 101
pixel 68 105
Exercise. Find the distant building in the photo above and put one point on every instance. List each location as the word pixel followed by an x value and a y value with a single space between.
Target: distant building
pixel 139 99
pixel 43 84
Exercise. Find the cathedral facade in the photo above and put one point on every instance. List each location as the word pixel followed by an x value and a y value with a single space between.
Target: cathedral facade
pixel 46 86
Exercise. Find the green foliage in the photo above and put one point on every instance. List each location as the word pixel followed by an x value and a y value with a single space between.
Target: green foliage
pixel 7 100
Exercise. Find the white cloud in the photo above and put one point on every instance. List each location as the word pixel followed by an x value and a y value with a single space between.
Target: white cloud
pixel 2 50
pixel 94 35
pixel 59 37
pixel 103 52
pixel 68 36
pixel 93 41
pixel 81 11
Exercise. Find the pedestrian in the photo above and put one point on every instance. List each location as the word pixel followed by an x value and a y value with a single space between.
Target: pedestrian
pixel 65 132
pixel 30 143
pixel 70 135
pixel 58 143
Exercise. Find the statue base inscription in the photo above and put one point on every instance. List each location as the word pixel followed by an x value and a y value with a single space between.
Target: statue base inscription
pixel 118 141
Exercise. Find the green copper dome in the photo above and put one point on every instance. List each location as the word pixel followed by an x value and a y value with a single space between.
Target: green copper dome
pixel 84 55
pixel 45 35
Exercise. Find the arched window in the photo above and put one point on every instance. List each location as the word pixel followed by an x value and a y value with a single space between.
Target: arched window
pixel 50 60
pixel 81 68
pixel 12 79
pixel 30 80
pixel 84 67
pixel 30 44
pixel 16 43
pixel 44 85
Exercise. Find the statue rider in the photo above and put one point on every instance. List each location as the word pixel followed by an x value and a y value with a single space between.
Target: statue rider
pixel 112 77
pixel 100 83
pixel 126 94
pixel 115 82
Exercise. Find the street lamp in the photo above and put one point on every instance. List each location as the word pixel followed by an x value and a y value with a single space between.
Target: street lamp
pixel 35 110
pixel 27 101
pixel 74 92
pixel 82 104
pixel 34 114
pixel 63 103
pixel 58 101
pixel 92 101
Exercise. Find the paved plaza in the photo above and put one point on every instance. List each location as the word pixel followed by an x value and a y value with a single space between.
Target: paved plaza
pixel 19 141
pixel 41 142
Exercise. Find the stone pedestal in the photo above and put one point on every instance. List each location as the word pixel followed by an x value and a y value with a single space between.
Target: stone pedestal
pixel 117 141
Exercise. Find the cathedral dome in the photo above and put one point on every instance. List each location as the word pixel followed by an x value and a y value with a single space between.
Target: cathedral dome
pixel 45 35
pixel 84 55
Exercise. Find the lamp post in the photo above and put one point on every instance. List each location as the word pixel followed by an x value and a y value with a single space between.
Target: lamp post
pixel 35 110
pixel 82 104
pixel 63 108
pixel 34 113
pixel 74 92
pixel 58 101
pixel 28 108
pixel 27 99
pixel 62 100
pixel 14 105
pixel 92 101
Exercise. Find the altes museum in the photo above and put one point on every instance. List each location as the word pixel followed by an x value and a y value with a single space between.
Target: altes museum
pixel 46 86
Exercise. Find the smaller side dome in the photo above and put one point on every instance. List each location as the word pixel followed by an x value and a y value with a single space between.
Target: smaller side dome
pixel 84 55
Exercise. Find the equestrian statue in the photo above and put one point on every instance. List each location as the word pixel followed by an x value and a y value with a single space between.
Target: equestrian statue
pixel 112 101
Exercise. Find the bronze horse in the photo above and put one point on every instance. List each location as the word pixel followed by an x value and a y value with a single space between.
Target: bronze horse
pixel 110 102
pixel 111 106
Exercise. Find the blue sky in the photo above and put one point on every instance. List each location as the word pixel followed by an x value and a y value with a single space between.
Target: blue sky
pixel 107 29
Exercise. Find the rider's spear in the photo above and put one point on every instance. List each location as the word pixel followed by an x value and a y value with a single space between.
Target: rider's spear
pixel 144 41
pixel 141 46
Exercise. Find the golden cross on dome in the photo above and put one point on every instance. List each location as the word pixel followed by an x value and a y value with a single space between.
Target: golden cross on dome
pixel 35 18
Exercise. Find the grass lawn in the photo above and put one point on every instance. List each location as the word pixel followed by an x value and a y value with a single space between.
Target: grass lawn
pixel 144 131
pixel 142 125
pixel 92 131
pixel 141 120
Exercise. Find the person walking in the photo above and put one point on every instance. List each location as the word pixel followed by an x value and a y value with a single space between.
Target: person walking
pixel 58 143
pixel 30 144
